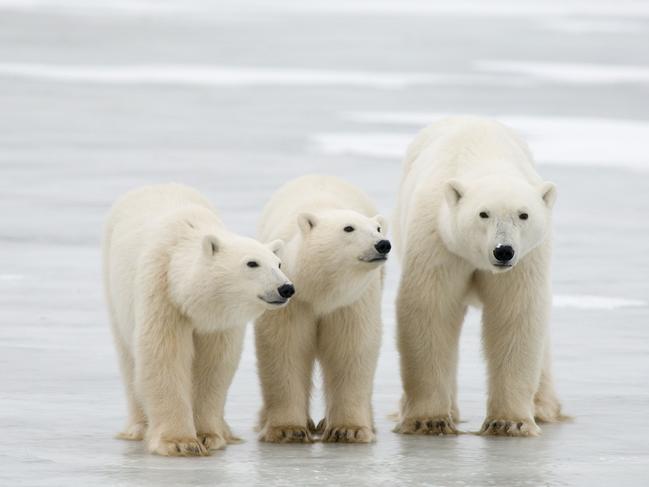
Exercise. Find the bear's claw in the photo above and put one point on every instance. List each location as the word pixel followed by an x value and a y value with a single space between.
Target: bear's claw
pixel 313 428
pixel 212 441
pixel 322 425
pixel 505 427
pixel 347 434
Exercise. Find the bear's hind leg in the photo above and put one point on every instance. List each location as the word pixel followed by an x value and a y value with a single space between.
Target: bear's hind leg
pixel 135 426
pixel 547 408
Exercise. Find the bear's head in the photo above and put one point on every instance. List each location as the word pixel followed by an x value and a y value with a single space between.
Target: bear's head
pixel 332 258
pixel 494 221
pixel 344 239
pixel 230 278
pixel 248 269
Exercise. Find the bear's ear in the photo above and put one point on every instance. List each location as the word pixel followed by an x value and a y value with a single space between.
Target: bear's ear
pixel 306 221
pixel 453 191
pixel 382 223
pixel 548 193
pixel 210 245
pixel 275 246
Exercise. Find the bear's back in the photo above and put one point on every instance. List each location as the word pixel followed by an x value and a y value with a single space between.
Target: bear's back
pixel 466 146
pixel 138 220
pixel 140 206
pixel 312 194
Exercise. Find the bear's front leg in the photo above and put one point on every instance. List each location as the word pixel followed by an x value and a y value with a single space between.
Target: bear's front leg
pixel 216 357
pixel 349 340
pixel 430 311
pixel 515 316
pixel 285 341
pixel 164 380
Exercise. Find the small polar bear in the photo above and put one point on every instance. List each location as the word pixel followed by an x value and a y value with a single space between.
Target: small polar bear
pixel 180 289
pixel 474 221
pixel 334 252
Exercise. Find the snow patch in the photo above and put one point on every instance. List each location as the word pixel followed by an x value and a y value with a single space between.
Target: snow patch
pixel 596 302
pixel 575 73
pixel 589 26
pixel 553 140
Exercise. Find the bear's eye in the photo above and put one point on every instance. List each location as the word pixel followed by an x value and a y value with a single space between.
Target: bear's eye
pixel 378 229
pixel 252 263
pixel 279 266
pixel 484 214
pixel 523 216
pixel 348 228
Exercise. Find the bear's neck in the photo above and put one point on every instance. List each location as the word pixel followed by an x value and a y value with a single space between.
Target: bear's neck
pixel 324 289
pixel 206 313
pixel 223 316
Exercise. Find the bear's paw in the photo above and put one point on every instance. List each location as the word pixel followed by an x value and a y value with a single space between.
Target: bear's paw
pixel 133 432
pixel 436 426
pixel 286 434
pixel 548 410
pixel 179 447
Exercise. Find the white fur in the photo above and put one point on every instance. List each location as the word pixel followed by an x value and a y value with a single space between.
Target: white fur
pixel 334 317
pixel 454 170
pixel 179 293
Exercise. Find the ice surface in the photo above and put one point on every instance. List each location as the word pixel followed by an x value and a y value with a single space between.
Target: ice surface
pixel 562 10
pixel 70 144
pixel 229 76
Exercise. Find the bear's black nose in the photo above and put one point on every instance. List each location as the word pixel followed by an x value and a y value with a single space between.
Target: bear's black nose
pixel 286 290
pixel 383 246
pixel 504 253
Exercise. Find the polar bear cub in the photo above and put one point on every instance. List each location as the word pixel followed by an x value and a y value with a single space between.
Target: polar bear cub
pixel 335 248
pixel 180 289
pixel 474 220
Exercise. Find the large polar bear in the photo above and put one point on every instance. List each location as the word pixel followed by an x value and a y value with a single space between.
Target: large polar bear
pixel 180 290
pixel 335 248
pixel 474 221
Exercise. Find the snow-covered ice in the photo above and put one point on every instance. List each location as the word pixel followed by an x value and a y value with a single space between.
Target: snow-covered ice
pixel 576 73
pixel 234 97
pixel 554 140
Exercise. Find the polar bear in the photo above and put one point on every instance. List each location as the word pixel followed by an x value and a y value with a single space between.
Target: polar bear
pixel 180 289
pixel 335 248
pixel 474 221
